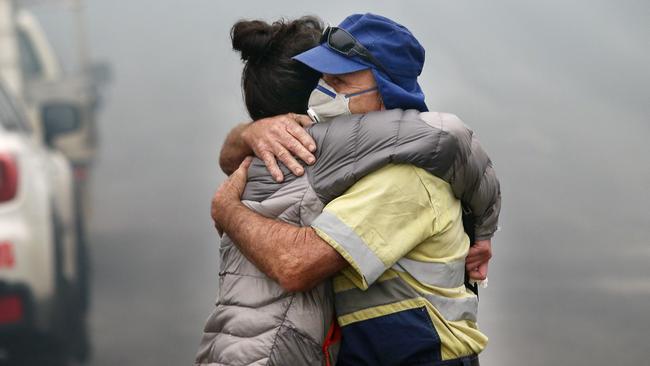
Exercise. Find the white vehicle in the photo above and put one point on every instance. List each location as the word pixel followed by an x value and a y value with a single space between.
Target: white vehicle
pixel 42 309
pixel 44 79
pixel 44 83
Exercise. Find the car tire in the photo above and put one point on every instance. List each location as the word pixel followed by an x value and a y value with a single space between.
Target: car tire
pixel 70 319
pixel 72 298
pixel 83 254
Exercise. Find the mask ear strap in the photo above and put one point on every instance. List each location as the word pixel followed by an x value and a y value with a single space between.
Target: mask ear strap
pixel 361 92
pixel 326 91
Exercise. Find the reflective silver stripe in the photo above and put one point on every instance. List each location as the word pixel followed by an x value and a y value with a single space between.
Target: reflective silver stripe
pixel 446 275
pixel 396 289
pixel 382 293
pixel 463 308
pixel 371 266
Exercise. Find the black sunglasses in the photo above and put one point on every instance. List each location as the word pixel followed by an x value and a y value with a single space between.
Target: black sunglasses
pixel 344 43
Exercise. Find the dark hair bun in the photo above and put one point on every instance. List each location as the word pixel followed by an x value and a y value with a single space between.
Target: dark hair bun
pixel 255 39
pixel 251 38
pixel 273 83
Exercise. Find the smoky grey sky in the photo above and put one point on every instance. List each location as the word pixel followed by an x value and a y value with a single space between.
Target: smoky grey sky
pixel 557 91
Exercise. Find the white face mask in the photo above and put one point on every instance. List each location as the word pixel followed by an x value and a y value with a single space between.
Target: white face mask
pixel 325 103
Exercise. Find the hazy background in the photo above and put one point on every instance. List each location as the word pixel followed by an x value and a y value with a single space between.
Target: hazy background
pixel 557 91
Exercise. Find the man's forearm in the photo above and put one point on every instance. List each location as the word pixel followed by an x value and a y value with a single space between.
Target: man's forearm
pixel 296 257
pixel 234 150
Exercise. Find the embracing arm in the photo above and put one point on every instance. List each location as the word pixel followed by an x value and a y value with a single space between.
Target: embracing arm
pixel 475 182
pixel 234 150
pixel 293 256
pixel 439 142
pixel 279 137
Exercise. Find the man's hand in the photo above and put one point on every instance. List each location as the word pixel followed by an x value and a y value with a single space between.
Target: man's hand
pixel 229 193
pixel 296 257
pixel 477 259
pixel 281 137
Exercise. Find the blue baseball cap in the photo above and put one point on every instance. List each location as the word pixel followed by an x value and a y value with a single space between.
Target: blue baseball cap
pixel 392 45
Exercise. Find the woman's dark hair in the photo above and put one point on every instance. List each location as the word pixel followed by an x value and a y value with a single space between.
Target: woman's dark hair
pixel 273 83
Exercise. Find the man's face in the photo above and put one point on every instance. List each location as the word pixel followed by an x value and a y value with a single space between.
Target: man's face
pixel 355 82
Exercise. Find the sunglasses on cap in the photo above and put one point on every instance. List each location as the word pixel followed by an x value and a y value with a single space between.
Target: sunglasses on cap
pixel 341 41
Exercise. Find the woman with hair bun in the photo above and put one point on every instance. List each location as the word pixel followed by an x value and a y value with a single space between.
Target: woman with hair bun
pixel 256 321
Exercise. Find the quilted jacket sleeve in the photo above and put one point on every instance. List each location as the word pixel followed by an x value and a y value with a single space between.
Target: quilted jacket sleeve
pixel 350 147
pixel 471 173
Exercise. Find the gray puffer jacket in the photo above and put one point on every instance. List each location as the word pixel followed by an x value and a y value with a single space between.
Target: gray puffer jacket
pixel 256 322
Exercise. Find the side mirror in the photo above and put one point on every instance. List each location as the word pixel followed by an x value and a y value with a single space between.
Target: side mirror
pixel 59 119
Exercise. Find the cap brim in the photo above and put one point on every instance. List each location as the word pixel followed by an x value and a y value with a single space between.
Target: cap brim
pixel 322 59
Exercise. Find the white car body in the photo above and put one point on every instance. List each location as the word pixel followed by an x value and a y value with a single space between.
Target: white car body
pixel 44 80
pixel 27 220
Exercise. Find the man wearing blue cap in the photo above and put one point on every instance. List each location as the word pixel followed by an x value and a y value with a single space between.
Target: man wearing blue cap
pixel 359 43
pixel 396 237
